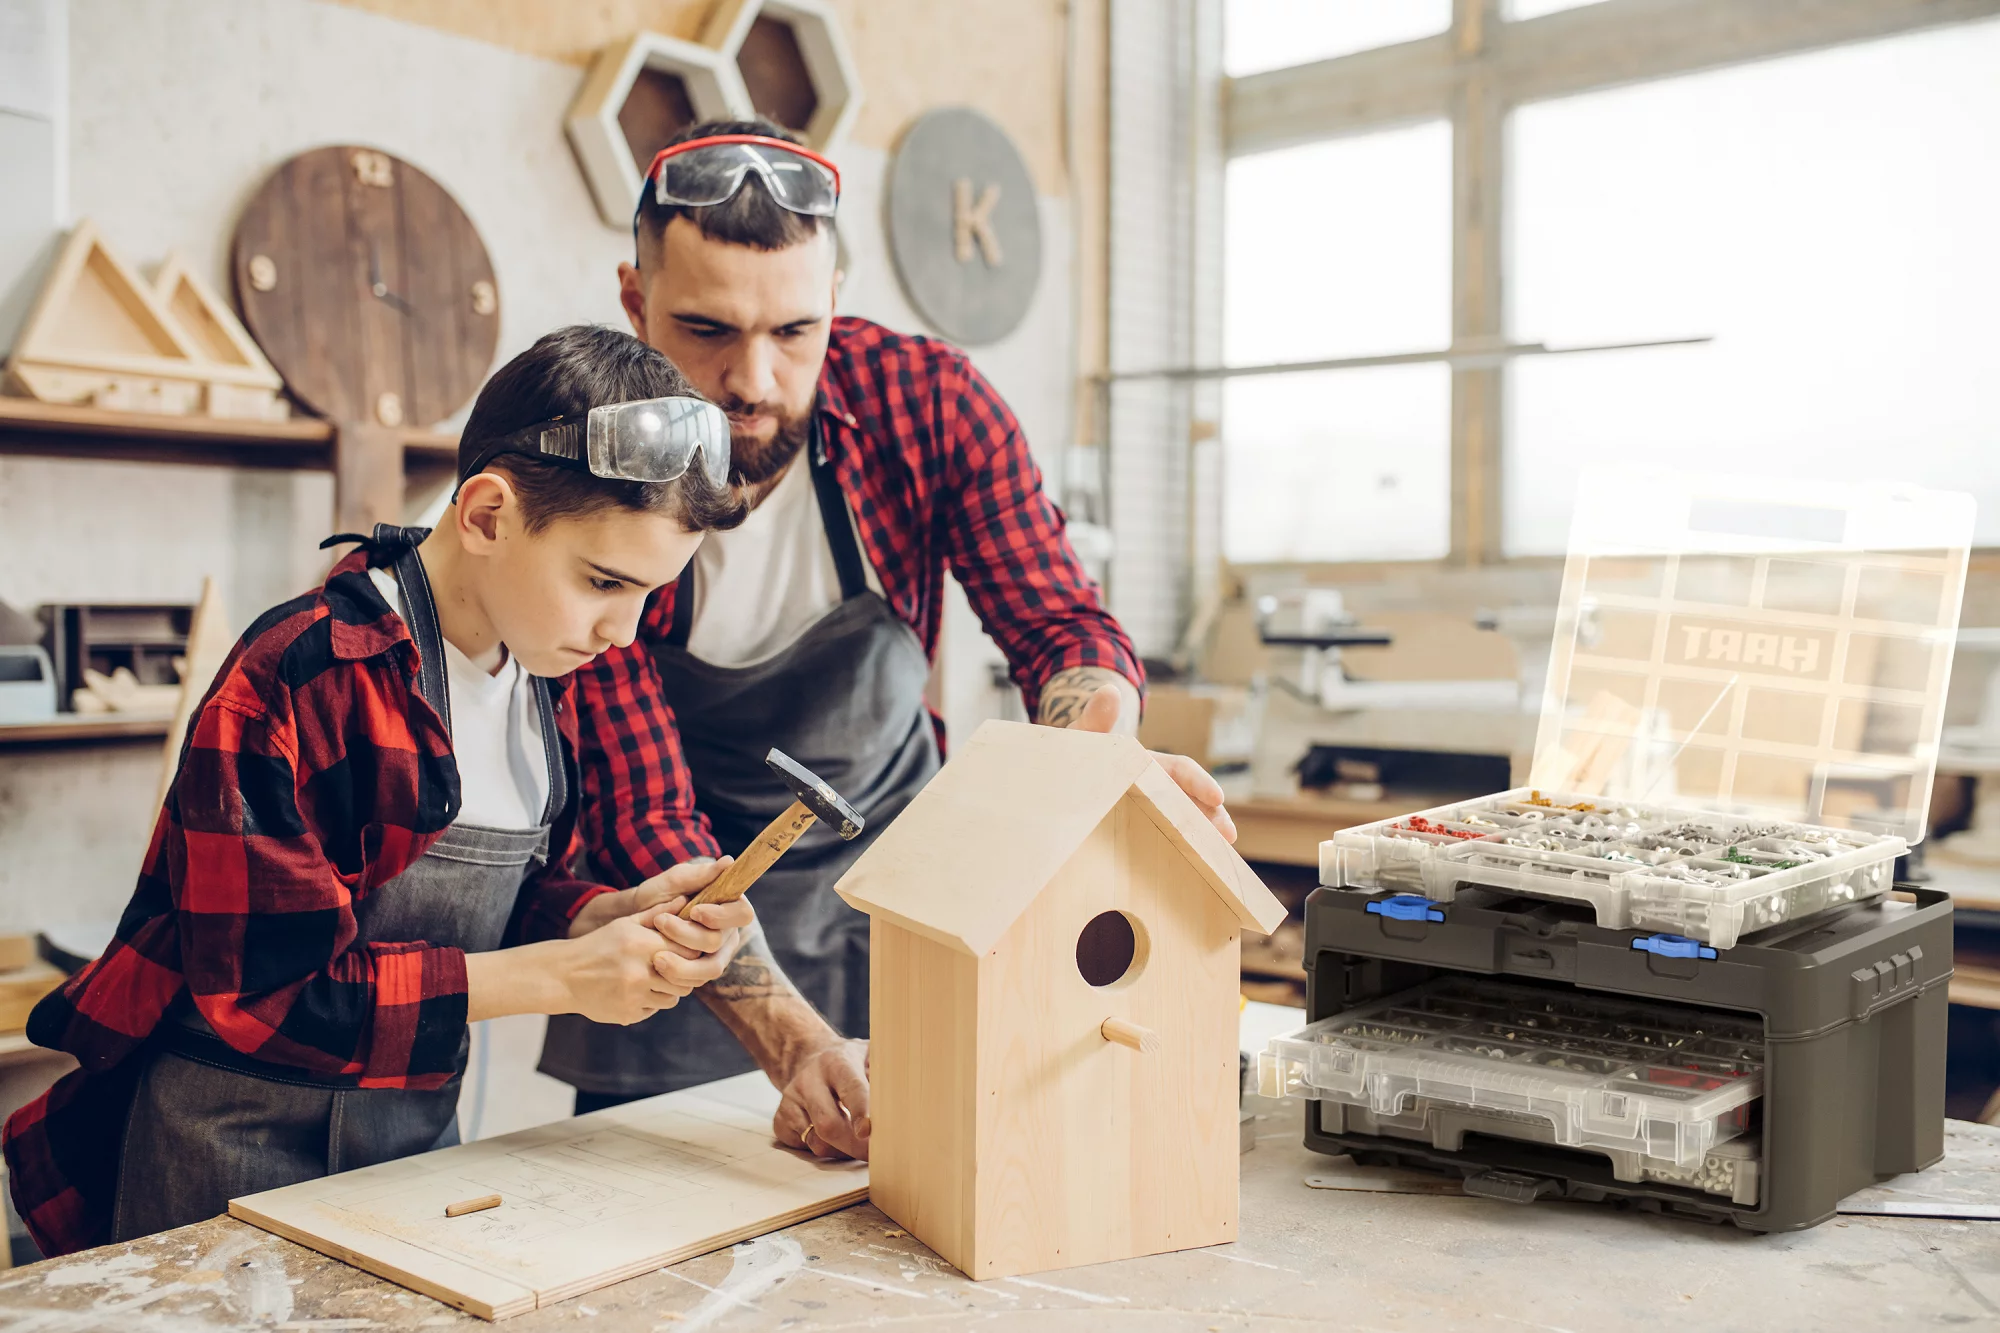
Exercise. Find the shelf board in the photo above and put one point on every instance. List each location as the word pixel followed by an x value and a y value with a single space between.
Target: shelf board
pixel 86 729
pixel 68 431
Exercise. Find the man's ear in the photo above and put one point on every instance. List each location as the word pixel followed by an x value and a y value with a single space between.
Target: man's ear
pixel 488 511
pixel 632 295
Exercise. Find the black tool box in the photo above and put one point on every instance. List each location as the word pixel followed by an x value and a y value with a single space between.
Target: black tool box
pixel 1515 1042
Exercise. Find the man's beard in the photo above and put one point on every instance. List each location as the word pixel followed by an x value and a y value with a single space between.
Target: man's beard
pixel 754 462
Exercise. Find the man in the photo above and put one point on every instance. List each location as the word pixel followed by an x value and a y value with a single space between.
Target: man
pixel 874 462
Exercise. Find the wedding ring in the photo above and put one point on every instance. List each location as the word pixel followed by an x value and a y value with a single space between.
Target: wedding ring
pixel 807 1138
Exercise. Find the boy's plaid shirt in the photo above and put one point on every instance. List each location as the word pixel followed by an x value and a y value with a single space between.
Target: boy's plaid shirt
pixel 313 773
pixel 937 474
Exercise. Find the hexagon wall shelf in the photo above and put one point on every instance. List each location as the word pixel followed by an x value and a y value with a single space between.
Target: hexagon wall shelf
pixel 638 92
pixel 793 60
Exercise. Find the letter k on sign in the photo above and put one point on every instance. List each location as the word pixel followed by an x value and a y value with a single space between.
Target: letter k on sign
pixel 973 221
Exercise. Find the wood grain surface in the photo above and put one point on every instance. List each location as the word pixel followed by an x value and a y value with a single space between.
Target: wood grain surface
pixel 586 1202
pixel 335 222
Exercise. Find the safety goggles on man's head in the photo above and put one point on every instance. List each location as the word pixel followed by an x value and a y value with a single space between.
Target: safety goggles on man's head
pixel 702 173
pixel 653 439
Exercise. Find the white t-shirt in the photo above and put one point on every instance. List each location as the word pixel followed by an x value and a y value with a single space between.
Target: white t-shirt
pixel 496 732
pixel 760 586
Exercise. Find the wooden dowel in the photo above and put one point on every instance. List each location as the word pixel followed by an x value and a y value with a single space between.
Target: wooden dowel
pixel 1143 1040
pixel 478 1205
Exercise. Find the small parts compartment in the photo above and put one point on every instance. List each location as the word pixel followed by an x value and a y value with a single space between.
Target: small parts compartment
pixel 1711 877
pixel 1657 1088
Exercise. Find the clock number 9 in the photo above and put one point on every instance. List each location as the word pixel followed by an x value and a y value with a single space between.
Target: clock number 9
pixel 373 169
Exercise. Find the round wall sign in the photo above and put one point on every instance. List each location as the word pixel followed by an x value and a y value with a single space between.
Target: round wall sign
pixel 963 225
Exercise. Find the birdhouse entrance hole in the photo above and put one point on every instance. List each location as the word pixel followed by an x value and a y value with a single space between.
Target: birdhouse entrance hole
pixel 1111 949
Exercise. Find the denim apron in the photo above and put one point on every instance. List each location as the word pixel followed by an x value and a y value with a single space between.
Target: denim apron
pixel 209 1124
pixel 846 699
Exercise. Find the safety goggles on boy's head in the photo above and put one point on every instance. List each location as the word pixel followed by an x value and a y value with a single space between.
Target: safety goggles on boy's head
pixel 653 439
pixel 702 173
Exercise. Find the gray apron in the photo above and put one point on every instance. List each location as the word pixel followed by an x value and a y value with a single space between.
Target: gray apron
pixel 209 1124
pixel 847 701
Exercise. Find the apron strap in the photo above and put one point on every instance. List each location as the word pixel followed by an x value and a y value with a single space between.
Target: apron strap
pixel 433 684
pixel 552 747
pixel 422 607
pixel 833 514
pixel 839 538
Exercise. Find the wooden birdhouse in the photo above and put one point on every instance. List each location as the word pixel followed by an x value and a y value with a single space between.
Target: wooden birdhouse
pixel 1053 1059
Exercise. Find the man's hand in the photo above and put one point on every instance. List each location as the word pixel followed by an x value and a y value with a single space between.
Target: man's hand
pixel 1101 712
pixel 825 1105
pixel 682 881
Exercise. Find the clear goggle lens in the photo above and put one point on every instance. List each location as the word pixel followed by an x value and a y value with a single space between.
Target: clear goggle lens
pixel 710 175
pixel 659 439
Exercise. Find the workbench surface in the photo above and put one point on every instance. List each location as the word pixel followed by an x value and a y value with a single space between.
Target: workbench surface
pixel 1308 1257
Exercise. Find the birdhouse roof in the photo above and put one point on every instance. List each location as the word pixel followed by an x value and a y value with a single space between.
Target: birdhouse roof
pixel 980 843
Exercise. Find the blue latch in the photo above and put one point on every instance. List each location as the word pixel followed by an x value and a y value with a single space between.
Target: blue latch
pixel 1410 907
pixel 1673 946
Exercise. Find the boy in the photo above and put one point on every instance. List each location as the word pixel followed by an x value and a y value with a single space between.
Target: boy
pixel 366 846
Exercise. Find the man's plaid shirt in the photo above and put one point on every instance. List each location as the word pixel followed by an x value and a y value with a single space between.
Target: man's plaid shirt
pixel 938 476
pixel 313 774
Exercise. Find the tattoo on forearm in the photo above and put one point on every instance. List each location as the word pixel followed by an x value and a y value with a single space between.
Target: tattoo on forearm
pixel 751 975
pixel 1068 691
pixel 761 1008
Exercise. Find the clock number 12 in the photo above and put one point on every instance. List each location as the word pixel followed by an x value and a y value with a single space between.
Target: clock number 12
pixel 374 169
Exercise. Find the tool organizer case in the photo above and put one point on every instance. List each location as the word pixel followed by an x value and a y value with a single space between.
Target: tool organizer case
pixel 1671 970
pixel 1519 1044
pixel 1708 876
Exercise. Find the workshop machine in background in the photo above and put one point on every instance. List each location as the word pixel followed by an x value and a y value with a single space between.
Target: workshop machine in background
pixel 1676 970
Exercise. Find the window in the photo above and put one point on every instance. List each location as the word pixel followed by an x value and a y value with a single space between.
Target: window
pixel 1827 217
pixel 1338 249
pixel 1270 34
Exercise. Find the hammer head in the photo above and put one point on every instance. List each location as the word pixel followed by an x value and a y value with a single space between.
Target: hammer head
pixel 815 795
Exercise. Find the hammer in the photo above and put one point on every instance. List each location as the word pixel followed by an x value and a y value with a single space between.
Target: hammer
pixel 814 801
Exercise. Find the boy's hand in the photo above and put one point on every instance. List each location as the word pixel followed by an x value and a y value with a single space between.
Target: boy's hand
pixel 711 933
pixel 678 882
pixel 615 974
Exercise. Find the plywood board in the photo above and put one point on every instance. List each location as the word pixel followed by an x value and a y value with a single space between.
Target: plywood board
pixel 586 1202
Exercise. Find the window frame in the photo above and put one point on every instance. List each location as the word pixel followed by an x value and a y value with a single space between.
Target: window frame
pixel 1474 75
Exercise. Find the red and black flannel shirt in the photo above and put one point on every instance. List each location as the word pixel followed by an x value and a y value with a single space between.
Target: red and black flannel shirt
pixel 938 476
pixel 314 773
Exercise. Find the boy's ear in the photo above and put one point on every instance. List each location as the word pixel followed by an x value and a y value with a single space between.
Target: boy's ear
pixel 488 508
pixel 632 296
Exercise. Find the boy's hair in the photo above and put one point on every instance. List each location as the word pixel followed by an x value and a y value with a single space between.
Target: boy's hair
pixel 750 216
pixel 565 374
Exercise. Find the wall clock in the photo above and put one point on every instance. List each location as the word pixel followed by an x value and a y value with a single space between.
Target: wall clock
pixel 368 287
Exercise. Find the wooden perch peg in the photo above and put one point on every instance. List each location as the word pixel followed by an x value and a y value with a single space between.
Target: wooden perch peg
pixel 478 1205
pixel 1143 1040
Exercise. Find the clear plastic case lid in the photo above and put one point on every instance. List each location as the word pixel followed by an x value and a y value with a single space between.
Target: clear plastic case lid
pixel 1745 645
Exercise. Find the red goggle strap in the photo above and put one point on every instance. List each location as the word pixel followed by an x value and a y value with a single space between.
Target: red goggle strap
pixel 761 140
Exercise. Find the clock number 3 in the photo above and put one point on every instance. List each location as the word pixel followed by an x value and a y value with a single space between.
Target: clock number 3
pixel 373 169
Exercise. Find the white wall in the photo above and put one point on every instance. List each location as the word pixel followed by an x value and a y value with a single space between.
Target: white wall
pixel 178 110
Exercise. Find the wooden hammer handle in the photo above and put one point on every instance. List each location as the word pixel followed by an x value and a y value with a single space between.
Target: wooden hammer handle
pixel 758 857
